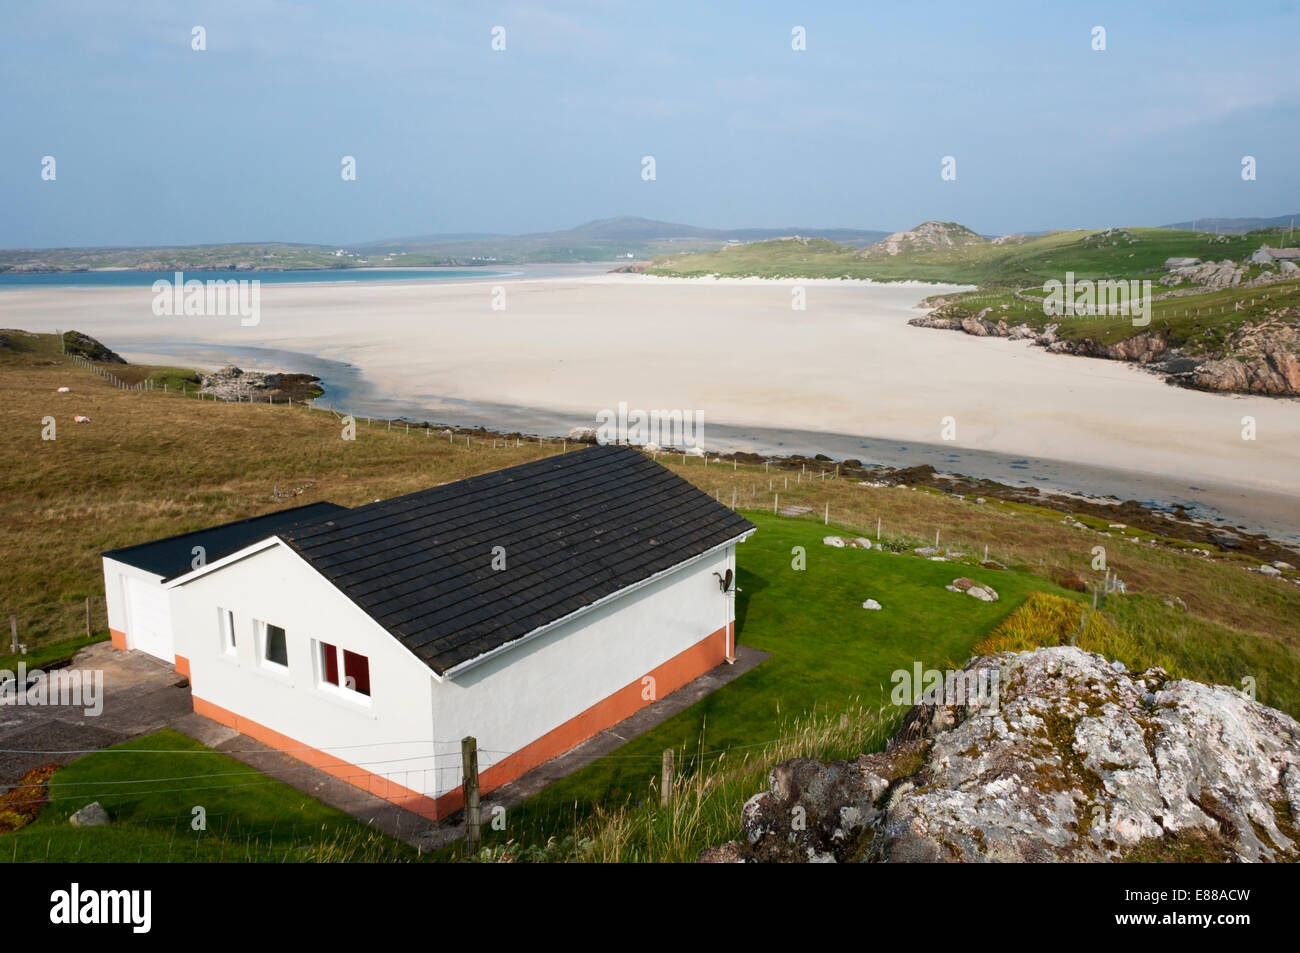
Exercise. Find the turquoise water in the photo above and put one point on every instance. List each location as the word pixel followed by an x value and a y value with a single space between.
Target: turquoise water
pixel 118 279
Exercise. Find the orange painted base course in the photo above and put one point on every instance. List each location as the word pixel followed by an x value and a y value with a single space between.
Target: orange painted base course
pixel 667 678
pixel 357 777
pixel 182 665
pixel 685 667
pixel 119 639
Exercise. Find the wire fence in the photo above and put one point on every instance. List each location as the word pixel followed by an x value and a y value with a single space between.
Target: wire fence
pixel 37 629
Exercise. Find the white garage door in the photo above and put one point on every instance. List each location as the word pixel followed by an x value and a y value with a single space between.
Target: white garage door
pixel 149 619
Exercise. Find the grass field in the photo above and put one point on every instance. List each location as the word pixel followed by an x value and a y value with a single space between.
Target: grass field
pixel 151 788
pixel 1199 323
pixel 829 655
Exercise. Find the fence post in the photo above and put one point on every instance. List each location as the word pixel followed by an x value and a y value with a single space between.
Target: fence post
pixel 13 634
pixel 666 779
pixel 87 616
pixel 469 760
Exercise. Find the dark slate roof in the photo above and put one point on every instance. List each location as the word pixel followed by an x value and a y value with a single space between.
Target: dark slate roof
pixel 174 555
pixel 576 527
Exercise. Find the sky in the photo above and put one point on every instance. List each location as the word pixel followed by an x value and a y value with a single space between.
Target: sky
pixel 157 143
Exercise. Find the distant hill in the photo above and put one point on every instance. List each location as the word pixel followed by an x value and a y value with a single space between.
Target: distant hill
pixel 1235 226
pixel 928 236
pixel 605 239
pixel 266 256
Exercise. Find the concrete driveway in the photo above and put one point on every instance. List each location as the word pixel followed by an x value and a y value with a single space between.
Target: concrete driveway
pixel 140 694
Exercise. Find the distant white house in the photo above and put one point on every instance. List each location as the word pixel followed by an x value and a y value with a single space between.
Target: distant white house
pixel 531 608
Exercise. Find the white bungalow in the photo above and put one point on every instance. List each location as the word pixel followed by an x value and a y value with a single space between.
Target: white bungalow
pixel 531 608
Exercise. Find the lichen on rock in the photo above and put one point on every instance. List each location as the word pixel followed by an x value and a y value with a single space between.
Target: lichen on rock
pixel 1079 760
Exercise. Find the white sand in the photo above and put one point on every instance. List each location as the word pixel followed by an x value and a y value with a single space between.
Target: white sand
pixel 735 350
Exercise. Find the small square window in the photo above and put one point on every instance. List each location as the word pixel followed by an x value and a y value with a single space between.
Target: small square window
pixel 276 648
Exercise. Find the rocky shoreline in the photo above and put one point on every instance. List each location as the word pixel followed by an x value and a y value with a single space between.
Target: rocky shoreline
pixel 1260 359
pixel 1129 514
pixel 235 384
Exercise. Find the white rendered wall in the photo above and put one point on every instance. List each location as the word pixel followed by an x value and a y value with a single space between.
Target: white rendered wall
pixel 521 694
pixel 389 734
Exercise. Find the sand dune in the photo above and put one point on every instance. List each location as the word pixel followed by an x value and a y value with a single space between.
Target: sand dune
pixel 734 349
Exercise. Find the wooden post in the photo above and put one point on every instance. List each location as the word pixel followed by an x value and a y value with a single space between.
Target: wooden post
pixel 87 616
pixel 826 521
pixel 877 529
pixel 13 634
pixel 469 760
pixel 936 539
pixel 666 779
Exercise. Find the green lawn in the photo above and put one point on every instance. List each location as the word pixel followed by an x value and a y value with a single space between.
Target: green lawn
pixel 827 652
pixel 151 798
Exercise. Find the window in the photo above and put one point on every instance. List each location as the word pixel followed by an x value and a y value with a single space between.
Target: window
pixel 226 623
pixel 356 672
pixel 275 648
pixel 355 668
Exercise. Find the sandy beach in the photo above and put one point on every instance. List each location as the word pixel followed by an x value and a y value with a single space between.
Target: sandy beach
pixel 733 349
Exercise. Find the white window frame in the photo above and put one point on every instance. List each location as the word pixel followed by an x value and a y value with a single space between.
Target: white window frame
pixel 226 629
pixel 261 627
pixel 340 690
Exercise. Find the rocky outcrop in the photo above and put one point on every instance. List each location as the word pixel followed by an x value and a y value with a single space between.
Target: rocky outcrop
pixel 1210 275
pixel 1144 347
pixel 928 236
pixel 1070 758
pixel 74 342
pixel 1266 361
pixel 233 383
pixel 1259 358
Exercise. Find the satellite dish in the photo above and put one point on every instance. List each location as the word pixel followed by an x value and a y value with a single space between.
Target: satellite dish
pixel 724 582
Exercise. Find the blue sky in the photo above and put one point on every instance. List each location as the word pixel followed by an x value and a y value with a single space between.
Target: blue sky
pixel 156 143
